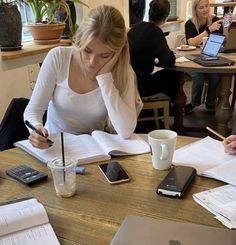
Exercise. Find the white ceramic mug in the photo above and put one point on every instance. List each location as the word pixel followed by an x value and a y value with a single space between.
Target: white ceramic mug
pixel 162 143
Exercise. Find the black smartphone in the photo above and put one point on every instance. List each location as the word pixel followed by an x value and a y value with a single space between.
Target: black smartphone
pixel 176 181
pixel 114 172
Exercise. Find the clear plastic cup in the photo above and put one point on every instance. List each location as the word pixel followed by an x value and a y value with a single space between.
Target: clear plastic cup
pixel 64 176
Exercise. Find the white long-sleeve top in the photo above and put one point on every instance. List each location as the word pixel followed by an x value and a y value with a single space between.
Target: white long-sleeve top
pixel 75 113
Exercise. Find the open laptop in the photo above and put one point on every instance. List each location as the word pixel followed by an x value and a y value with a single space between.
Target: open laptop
pixel 136 230
pixel 230 45
pixel 208 56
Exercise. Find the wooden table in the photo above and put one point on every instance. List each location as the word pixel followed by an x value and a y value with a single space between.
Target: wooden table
pixel 224 110
pixel 95 213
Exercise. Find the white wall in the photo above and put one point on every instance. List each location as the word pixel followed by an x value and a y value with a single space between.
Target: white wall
pixel 13 84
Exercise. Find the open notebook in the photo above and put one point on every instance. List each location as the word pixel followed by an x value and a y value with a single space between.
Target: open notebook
pixel 87 148
pixel 208 56
pixel 207 156
pixel 136 230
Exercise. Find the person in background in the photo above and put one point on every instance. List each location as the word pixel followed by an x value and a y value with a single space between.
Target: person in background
pixel 230 142
pixel 90 86
pixel 201 25
pixel 149 48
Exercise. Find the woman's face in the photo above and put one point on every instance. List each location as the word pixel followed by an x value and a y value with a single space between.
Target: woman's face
pixel 95 56
pixel 203 9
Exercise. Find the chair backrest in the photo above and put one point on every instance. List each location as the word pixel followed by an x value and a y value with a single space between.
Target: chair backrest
pixel 155 102
pixel 12 127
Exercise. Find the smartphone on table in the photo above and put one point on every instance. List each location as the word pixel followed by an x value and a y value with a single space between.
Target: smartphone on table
pixel 114 172
pixel 176 181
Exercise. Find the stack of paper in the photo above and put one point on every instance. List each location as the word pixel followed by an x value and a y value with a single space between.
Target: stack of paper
pixel 207 156
pixel 220 201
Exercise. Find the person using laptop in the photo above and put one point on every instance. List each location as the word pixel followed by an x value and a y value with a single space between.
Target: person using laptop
pixel 199 26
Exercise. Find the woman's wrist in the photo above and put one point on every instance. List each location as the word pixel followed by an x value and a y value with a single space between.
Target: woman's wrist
pixel 208 30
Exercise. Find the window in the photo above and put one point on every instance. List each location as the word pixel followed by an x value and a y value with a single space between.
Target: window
pixel 220 10
pixel 26 16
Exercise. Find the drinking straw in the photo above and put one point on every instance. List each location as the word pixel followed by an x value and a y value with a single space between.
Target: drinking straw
pixel 63 154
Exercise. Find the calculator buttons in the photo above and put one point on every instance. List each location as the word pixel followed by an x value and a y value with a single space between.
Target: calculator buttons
pixel 26 175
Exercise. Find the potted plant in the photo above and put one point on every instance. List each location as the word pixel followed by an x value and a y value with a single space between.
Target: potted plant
pixel 46 28
pixel 10 25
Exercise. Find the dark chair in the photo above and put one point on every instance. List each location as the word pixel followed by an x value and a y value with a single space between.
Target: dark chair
pixel 12 127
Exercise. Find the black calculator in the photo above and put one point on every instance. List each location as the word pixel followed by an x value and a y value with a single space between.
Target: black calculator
pixel 26 174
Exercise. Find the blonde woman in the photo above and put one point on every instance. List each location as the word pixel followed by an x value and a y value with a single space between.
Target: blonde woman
pixel 201 25
pixel 90 86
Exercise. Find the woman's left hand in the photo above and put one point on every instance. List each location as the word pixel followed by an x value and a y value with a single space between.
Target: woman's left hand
pixel 110 64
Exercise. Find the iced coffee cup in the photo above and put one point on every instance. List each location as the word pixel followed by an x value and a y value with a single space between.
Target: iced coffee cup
pixel 64 176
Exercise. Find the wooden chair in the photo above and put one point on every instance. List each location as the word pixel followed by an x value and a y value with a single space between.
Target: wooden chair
pixel 156 102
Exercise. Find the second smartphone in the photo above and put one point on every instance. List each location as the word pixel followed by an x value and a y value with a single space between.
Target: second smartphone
pixel 176 181
pixel 114 173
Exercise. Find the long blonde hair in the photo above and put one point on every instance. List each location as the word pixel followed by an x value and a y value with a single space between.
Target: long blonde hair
pixel 194 15
pixel 107 24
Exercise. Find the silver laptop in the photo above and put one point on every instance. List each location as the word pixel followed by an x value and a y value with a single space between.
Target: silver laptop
pixel 210 49
pixel 230 45
pixel 136 230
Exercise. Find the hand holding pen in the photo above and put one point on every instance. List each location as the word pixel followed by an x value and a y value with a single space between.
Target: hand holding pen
pixel 41 142
pixel 229 142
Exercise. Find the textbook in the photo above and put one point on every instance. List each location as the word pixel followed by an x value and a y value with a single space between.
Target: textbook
pixel 25 222
pixel 86 148
pixel 207 156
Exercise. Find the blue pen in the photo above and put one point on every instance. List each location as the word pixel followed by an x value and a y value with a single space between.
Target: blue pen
pixel 28 124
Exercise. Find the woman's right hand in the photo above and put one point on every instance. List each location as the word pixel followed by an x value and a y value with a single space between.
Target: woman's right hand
pixel 230 144
pixel 37 140
pixel 215 26
pixel 110 64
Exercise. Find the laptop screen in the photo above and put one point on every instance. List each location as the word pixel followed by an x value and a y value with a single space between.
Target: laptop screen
pixel 213 44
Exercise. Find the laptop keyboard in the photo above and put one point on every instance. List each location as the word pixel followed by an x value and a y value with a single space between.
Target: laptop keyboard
pixel 221 61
